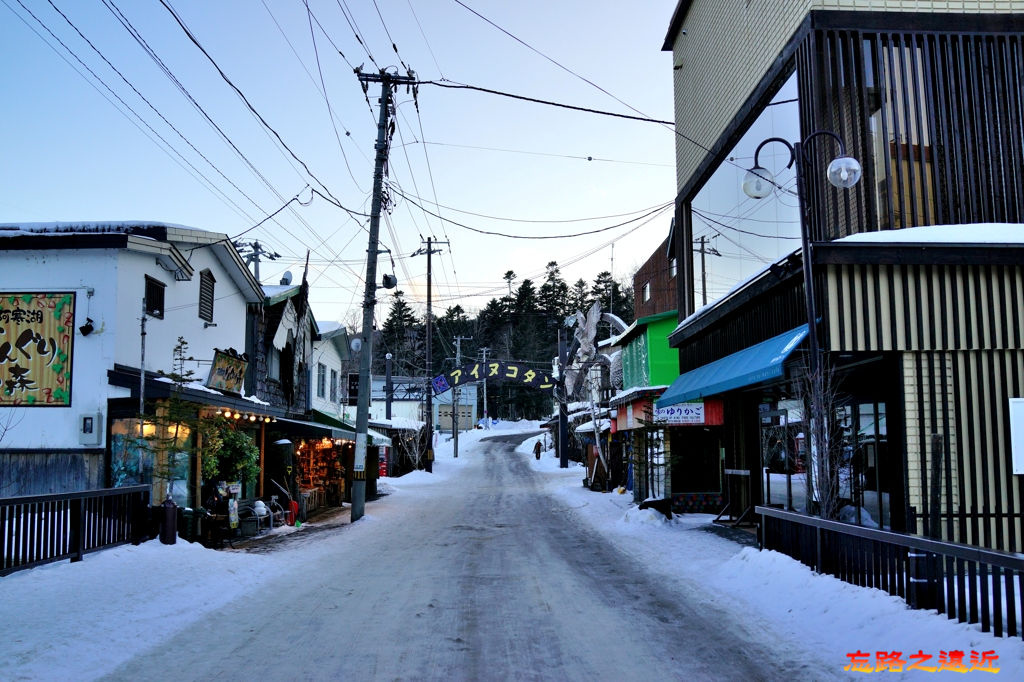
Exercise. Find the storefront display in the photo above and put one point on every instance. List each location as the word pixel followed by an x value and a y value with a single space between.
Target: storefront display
pixel 322 471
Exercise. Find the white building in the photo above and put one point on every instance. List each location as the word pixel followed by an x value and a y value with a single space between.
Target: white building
pixel 78 303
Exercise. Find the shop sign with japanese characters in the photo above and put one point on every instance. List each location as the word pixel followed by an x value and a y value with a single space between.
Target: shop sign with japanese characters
pixel 502 371
pixel 227 372
pixel 36 337
pixel 682 413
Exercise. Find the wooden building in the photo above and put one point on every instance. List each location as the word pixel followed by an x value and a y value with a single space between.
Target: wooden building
pixel 916 270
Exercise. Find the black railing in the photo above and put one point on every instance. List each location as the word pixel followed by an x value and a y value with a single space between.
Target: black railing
pixel 971 584
pixel 38 529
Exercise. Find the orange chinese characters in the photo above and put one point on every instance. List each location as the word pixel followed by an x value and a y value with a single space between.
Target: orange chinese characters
pixel 984 661
pixel 889 660
pixel 920 658
pixel 952 660
pixel 860 662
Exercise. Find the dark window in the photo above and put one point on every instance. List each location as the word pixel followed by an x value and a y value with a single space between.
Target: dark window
pixel 321 380
pixel 334 385
pixel 206 283
pixel 154 297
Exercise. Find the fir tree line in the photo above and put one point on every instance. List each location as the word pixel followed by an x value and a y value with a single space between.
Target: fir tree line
pixel 521 326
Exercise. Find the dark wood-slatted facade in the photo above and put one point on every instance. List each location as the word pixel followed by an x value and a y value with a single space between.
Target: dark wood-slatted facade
pixel 959 329
pixel 933 107
pixel 934 115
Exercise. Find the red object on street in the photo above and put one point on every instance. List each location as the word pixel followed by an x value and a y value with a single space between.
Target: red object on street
pixel 292 513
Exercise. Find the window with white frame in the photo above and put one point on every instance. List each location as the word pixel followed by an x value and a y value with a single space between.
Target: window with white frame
pixel 647 292
pixel 334 385
pixel 671 267
pixel 321 380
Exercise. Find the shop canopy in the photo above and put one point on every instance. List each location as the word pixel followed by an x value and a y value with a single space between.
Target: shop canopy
pixel 313 429
pixel 760 362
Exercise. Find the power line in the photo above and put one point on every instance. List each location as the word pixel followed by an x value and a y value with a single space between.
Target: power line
pixel 559 65
pixel 461 86
pixel 577 157
pixel 538 221
pixel 519 236
pixel 241 95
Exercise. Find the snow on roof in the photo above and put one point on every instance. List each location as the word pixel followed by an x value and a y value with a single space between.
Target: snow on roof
pixel 86 226
pixel 970 233
pixel 399 423
pixel 585 427
pixel 636 390
pixel 975 233
pixel 614 341
pixel 326 327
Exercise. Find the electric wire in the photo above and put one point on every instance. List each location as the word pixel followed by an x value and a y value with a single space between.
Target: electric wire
pixel 531 237
pixel 535 100
pixel 195 41
pixel 166 147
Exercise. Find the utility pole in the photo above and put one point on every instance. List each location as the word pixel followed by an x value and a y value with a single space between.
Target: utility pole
pixel 456 393
pixel 253 251
pixel 386 81
pixel 709 250
pixel 430 363
pixel 563 411
pixel 487 421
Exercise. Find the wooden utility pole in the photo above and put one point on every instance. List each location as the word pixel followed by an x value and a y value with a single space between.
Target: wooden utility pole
pixel 387 81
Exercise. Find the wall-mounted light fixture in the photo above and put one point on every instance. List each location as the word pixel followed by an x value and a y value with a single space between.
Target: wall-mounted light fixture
pixel 86 328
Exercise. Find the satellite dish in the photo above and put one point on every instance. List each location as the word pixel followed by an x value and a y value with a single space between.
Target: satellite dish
pixel 286 278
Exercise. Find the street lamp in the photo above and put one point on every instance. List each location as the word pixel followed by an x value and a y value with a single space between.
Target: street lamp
pixel 844 171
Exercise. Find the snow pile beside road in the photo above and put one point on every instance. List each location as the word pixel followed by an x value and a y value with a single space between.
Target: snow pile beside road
pixel 85 619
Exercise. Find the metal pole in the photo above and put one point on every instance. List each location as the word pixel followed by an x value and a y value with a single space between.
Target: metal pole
pixel 487 421
pixel 142 383
pixel 388 388
pixel 363 404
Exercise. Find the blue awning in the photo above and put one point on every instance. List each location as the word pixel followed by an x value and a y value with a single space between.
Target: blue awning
pixel 760 362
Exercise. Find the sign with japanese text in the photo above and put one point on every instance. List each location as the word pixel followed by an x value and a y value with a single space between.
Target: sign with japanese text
pixel 227 372
pixel 36 338
pixel 682 413
pixel 502 371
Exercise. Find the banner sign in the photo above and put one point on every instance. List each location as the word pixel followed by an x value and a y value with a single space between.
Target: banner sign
pixel 501 371
pixel 36 336
pixel 682 413
pixel 227 372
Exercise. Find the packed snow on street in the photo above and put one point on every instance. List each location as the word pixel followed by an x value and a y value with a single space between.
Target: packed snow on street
pixel 456 574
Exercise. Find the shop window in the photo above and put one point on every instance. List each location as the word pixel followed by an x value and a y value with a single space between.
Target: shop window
pixel 334 385
pixel 206 282
pixel 321 380
pixel 154 297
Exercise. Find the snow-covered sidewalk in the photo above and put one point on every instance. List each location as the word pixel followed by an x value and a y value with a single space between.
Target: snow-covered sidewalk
pixel 81 621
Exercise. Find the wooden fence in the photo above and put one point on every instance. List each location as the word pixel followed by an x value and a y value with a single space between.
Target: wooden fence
pixel 38 529
pixel 971 584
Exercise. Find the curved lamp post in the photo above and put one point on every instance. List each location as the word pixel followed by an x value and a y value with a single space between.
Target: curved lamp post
pixel 844 171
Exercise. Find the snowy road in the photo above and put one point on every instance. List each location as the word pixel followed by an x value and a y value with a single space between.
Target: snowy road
pixel 486 577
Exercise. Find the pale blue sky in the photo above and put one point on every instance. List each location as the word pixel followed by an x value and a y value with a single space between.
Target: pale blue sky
pixel 69 154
